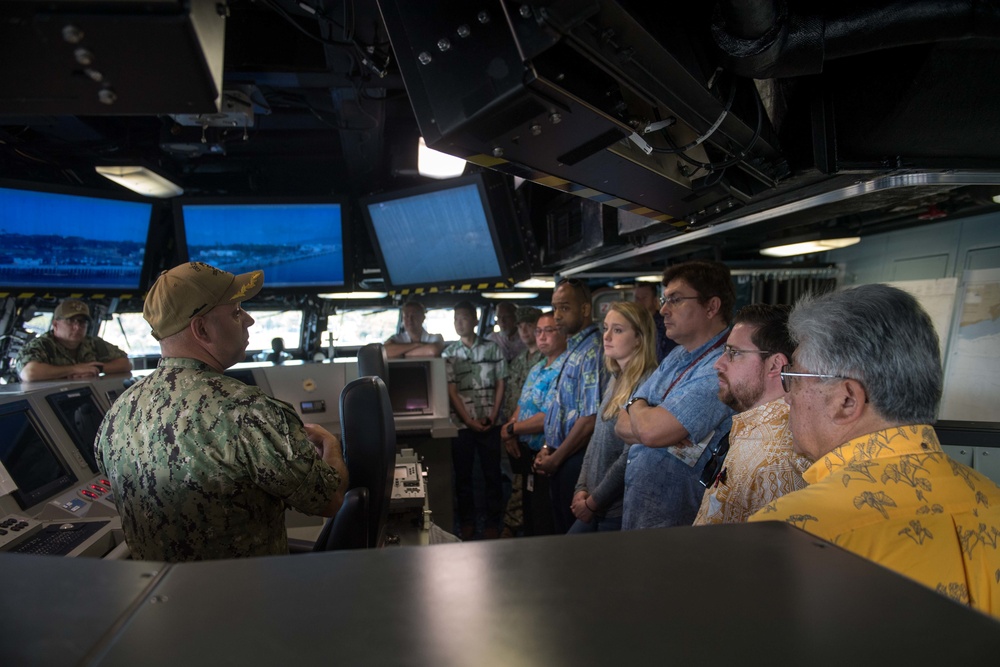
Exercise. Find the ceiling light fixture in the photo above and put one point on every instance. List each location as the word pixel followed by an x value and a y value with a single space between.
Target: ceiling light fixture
pixel 803 245
pixel 142 180
pixel 435 164
pixel 649 279
pixel 354 295
pixel 510 295
pixel 537 283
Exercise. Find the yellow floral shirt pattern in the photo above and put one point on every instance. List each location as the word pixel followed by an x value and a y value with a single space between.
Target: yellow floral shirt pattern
pixel 895 498
pixel 760 467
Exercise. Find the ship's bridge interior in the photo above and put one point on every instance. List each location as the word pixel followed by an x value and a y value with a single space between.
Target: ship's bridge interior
pixel 605 139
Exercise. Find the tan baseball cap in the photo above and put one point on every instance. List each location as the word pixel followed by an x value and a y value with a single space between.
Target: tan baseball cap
pixel 186 291
pixel 71 308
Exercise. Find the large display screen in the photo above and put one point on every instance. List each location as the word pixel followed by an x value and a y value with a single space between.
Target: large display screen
pixel 28 457
pixel 442 234
pixel 297 244
pixel 69 241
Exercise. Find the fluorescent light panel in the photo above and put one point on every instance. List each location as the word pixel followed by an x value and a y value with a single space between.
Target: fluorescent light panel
pixel 142 180
pixel 537 283
pixel 435 164
pixel 806 247
pixel 354 295
pixel 510 295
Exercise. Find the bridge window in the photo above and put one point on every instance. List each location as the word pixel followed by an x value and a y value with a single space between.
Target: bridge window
pixel 270 324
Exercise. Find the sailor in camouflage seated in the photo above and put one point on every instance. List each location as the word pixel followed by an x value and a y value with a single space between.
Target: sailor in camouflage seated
pixel 863 389
pixel 203 466
pixel 67 351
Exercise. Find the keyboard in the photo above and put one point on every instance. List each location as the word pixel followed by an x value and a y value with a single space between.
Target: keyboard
pixel 58 539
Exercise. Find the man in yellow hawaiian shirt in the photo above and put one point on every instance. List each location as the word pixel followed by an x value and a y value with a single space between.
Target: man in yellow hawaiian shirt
pixel 863 388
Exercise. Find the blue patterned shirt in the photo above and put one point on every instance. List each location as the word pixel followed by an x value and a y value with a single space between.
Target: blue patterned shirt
pixel 661 483
pixel 579 386
pixel 538 392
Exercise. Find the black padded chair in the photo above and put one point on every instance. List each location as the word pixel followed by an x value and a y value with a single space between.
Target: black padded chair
pixel 372 360
pixel 368 433
pixel 349 528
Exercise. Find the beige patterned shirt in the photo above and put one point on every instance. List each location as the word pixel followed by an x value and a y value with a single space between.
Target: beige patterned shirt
pixel 760 467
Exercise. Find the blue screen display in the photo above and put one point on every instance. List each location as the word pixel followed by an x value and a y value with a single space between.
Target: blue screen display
pixel 70 241
pixel 451 231
pixel 297 245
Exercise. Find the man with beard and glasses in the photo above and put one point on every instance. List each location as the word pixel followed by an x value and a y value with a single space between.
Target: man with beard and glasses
pixel 761 465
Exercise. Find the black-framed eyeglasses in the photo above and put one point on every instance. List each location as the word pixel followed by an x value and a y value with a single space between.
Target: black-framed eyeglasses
pixel 786 374
pixel 733 352
pixel 673 301
pixel 715 470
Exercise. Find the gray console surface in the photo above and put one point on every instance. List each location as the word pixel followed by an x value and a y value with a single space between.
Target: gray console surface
pixel 725 594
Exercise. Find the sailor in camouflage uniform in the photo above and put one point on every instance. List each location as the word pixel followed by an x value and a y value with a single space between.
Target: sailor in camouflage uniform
pixel 202 466
pixel 67 351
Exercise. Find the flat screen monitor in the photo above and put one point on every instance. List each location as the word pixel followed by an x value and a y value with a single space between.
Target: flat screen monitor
pixel 298 243
pixel 29 456
pixel 81 415
pixel 462 232
pixel 409 388
pixel 71 241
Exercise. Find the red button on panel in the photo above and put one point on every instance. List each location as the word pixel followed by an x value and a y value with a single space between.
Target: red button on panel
pixel 89 494
pixel 100 489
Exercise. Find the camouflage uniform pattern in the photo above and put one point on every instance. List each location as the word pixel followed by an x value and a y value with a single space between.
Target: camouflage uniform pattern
pixel 48 350
pixel 202 466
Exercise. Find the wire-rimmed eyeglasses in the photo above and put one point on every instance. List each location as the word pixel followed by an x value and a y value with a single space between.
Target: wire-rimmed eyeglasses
pixel 733 352
pixel 673 301
pixel 787 373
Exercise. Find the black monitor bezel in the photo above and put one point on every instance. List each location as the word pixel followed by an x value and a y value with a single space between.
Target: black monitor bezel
pixel 28 499
pixel 86 452
pixel 180 234
pixel 76 286
pixel 502 217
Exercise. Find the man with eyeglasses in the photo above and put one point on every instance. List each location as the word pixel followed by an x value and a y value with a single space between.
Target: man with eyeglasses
pixel 523 434
pixel 863 389
pixel 571 417
pixel 674 421
pixel 761 465
pixel 66 351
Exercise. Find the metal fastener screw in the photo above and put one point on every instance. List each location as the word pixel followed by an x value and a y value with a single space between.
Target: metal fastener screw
pixel 72 34
pixel 424 58
pixel 536 129
pixel 463 31
pixel 83 56
pixel 555 118
pixel 525 11
pixel 483 17
pixel 497 152
pixel 443 44
pixel 107 96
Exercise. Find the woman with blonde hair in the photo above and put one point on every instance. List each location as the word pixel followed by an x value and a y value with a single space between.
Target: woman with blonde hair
pixel 630 356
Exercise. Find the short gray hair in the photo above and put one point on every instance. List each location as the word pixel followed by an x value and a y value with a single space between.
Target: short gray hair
pixel 880 336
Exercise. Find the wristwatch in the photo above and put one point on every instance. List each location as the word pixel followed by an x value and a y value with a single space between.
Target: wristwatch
pixel 510 428
pixel 630 402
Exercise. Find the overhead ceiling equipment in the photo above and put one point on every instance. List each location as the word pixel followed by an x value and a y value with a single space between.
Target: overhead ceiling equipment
pixel 112 57
pixel 577 95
